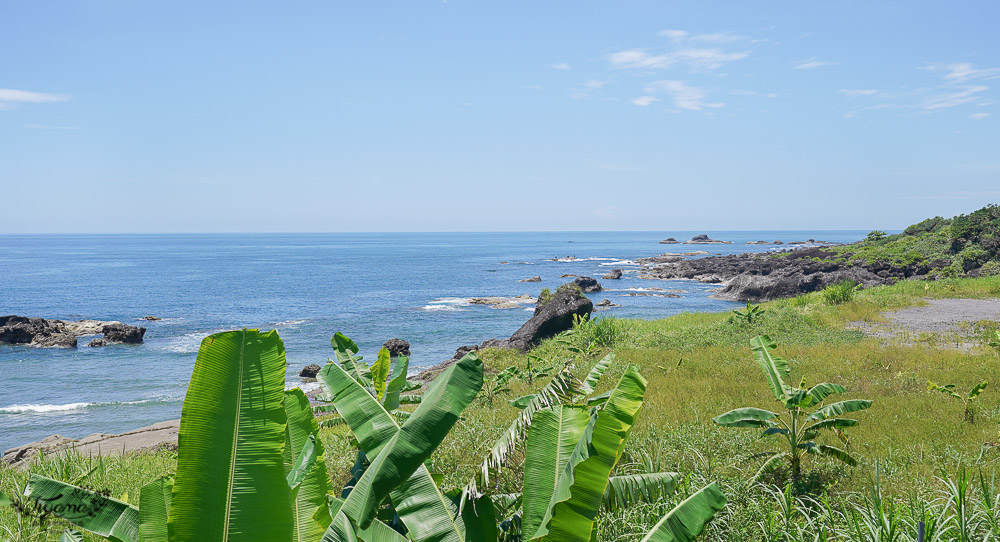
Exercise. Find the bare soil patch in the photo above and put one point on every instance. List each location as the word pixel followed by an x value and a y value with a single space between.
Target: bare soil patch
pixel 939 322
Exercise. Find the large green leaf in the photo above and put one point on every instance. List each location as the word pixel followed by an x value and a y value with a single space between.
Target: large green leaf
pixel 595 374
pixel 686 521
pixel 88 510
pixel 745 417
pixel 625 491
pixel 397 383
pixel 303 461
pixel 346 351
pixel 554 434
pixel 831 423
pixel 154 509
pixel 427 513
pixel 839 409
pixel 835 453
pixel 578 495
pixel 416 439
pixel 69 535
pixel 561 389
pixel 823 390
pixel 380 372
pixel 479 517
pixel 775 369
pixel 978 389
pixel 230 482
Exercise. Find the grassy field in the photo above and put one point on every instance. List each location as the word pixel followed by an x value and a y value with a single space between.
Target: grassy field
pixel 911 444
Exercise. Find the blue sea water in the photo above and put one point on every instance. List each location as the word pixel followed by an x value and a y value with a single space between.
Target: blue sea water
pixel 370 286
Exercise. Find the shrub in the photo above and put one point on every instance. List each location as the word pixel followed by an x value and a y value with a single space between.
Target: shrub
pixel 990 269
pixel 841 292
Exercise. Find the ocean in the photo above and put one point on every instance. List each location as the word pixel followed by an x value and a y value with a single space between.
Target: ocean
pixel 370 286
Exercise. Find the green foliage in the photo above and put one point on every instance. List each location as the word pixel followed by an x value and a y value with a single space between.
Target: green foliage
pixel 969 400
pixel 748 315
pixel 841 292
pixel 588 335
pixel 797 426
pixel 546 295
pixel 875 236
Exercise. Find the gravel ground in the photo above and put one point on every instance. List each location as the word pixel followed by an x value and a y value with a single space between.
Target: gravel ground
pixel 939 317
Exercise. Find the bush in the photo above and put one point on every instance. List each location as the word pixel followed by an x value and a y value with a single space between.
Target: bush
pixel 990 269
pixel 841 292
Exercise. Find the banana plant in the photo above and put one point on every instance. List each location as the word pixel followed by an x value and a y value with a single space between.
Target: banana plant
pixel 570 454
pixel 249 464
pixel 968 400
pixel 748 315
pixel 797 425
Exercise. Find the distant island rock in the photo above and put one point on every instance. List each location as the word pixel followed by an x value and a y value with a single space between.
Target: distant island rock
pixel 535 278
pixel 614 274
pixel 588 285
pixel 669 241
pixel 45 333
pixel 705 240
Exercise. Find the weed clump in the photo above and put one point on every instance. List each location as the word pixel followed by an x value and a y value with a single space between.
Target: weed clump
pixel 840 293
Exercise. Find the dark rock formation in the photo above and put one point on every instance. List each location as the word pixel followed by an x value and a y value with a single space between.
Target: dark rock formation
pixel 613 274
pixel 550 318
pixel 98 342
pixel 662 258
pixel 151 318
pixel 567 275
pixel 162 435
pixel 310 371
pixel 587 284
pixel 705 240
pixel 117 332
pixel 763 277
pixel 669 241
pixel 397 347
pixel 535 278
pixel 606 303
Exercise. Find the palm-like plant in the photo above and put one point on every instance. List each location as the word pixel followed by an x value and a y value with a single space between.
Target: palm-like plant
pixel 798 425
pixel 968 400
pixel 748 315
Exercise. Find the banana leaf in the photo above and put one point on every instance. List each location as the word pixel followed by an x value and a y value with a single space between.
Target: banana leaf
pixel 230 483
pixel 625 491
pixel 775 369
pixel 154 509
pixel 554 434
pixel 306 472
pixel 688 519
pixel 838 409
pixel 578 495
pixel 86 509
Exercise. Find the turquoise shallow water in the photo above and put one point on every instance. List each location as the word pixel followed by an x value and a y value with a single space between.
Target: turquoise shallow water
pixel 372 287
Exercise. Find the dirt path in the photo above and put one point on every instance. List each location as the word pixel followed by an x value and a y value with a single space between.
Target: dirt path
pixel 945 322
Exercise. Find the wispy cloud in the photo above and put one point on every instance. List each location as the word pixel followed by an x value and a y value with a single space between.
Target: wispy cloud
pixel 960 84
pixel 11 97
pixel 643 101
pixel 963 71
pixel 682 36
pixel 560 66
pixel 595 84
pixel 694 58
pixel 811 64
pixel 684 96
pixel 753 93
pixel 858 91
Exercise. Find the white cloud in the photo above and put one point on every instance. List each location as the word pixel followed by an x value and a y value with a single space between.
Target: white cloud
pixel 753 93
pixel 675 35
pixel 560 66
pixel 10 97
pixel 645 100
pixel 978 116
pixel 694 58
pixel 963 71
pixel 858 91
pixel 811 63
pixel 595 84
pixel 681 36
pixel 957 96
pixel 684 96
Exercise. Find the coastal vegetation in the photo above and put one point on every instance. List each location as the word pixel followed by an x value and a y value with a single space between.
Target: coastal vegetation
pixel 918 459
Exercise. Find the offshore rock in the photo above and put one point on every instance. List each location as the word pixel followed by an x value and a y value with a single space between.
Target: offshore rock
pixel 397 347
pixel 588 285
pixel 310 371
pixel 118 332
pixel 535 278
pixel 613 274
pixel 705 240
pixel 45 333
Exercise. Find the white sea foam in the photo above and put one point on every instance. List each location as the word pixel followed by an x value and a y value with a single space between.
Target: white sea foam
pixel 617 262
pixel 290 323
pixel 17 409
pixel 189 342
pixel 306 387
pixel 42 407
pixel 441 307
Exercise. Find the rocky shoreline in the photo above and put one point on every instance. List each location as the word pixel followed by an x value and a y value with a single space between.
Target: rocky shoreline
pixel 756 276
pixel 45 333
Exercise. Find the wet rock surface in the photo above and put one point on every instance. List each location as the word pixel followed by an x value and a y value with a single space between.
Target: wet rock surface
pixel 46 333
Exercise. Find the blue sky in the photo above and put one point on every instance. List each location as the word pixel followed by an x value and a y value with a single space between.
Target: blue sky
pixel 148 116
